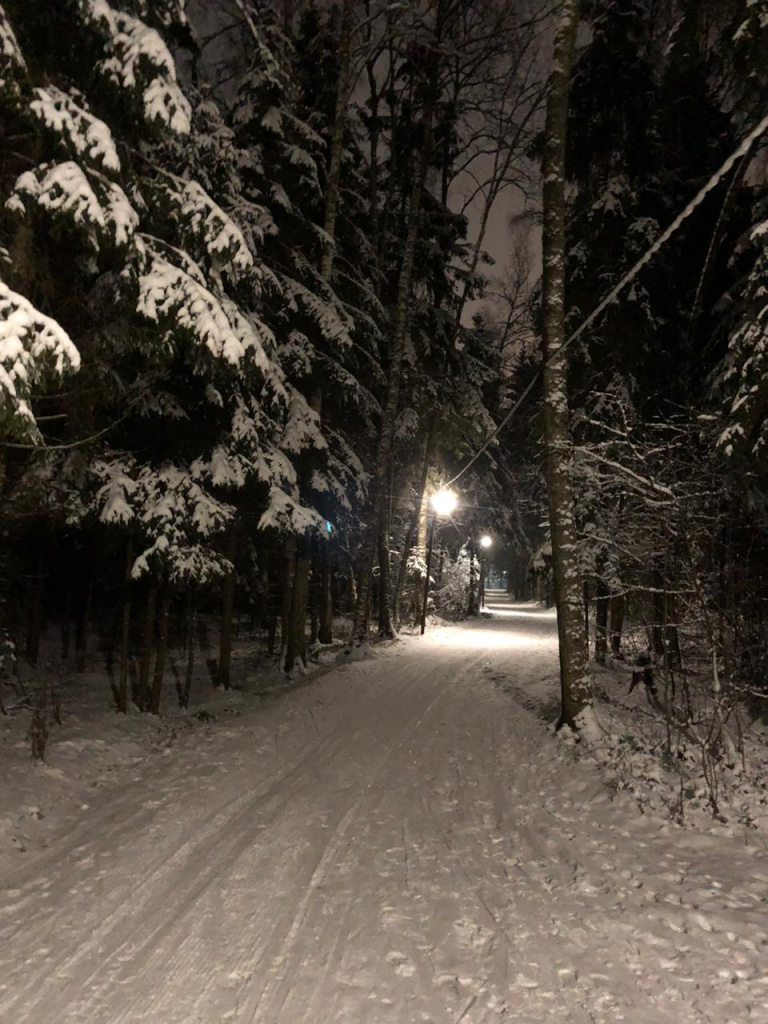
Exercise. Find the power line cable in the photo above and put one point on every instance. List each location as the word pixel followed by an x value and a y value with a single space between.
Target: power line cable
pixel 631 274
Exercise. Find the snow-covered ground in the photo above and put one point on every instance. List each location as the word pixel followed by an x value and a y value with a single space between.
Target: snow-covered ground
pixel 400 841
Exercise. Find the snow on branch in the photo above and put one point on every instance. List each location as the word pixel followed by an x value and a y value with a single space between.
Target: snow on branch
pixel 286 514
pixel 139 61
pixel 207 222
pixel 96 206
pixel 324 315
pixel 113 499
pixel 175 515
pixel 171 296
pixel 302 431
pixel 31 345
pixel 81 132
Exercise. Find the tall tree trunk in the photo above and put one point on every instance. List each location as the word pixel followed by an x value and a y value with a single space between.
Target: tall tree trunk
pixel 601 620
pixel 400 330
pixel 82 610
pixel 162 648
pixel 659 614
pixel 472 599
pixel 125 633
pixel 227 606
pixel 314 602
pixel 296 592
pixel 186 692
pixel 618 608
pixel 413 525
pixel 343 61
pixel 286 596
pixel 296 641
pixel 146 649
pixel 385 522
pixel 558 445
pixel 35 606
pixel 325 596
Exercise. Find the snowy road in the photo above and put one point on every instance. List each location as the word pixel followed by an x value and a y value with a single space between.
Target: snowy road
pixel 398 842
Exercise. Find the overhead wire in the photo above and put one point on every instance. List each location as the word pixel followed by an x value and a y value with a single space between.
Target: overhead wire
pixel 742 150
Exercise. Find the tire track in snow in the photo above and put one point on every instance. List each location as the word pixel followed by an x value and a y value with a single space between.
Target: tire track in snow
pixel 251 1009
pixel 137 899
pixel 226 837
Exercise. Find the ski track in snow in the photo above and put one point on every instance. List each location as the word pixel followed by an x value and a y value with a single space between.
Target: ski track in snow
pixel 401 841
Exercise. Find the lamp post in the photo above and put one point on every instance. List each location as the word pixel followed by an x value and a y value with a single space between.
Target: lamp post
pixel 443 504
pixel 485 544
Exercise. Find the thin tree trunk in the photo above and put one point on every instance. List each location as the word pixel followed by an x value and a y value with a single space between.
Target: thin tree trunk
pixel 314 603
pixel 146 649
pixel 286 597
pixel 81 621
pixel 35 607
pixel 618 607
pixel 296 641
pixel 400 331
pixel 227 606
pixel 325 625
pixel 187 691
pixel 162 648
pixel 601 620
pixel 413 525
pixel 385 618
pixel 558 445
pixel 343 61
pixel 125 633
pixel 472 597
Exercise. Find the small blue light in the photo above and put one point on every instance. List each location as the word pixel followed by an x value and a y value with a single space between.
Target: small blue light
pixel 328 526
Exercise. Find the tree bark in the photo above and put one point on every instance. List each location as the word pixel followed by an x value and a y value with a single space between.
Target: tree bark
pixel 35 607
pixel 325 597
pixel 286 597
pixel 343 57
pixel 618 607
pixel 185 694
pixel 125 633
pixel 558 445
pixel 601 620
pixel 227 606
pixel 146 649
pixel 413 525
pixel 385 521
pixel 162 648
pixel 400 330
pixel 473 597
pixel 296 641
pixel 82 608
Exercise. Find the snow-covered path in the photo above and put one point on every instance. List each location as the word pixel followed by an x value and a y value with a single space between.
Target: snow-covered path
pixel 400 841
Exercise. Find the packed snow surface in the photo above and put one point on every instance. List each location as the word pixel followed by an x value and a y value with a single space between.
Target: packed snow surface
pixel 401 840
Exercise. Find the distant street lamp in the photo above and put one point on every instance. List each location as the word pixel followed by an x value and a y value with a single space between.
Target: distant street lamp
pixel 486 543
pixel 443 504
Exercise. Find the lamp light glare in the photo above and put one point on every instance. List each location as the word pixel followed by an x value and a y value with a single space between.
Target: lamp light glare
pixel 444 502
pixel 486 541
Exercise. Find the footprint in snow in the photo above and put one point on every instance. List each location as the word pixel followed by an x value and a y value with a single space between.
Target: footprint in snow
pixel 469 934
pixel 401 964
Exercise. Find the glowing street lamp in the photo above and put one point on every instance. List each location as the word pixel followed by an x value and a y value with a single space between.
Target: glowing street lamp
pixel 486 543
pixel 443 504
